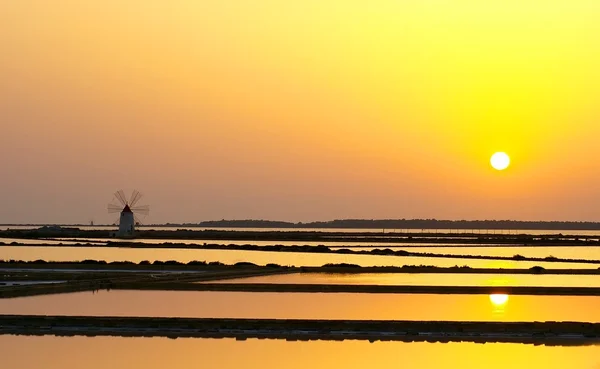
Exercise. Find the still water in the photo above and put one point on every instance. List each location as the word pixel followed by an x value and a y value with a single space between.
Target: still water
pixel 66 253
pixel 57 242
pixel 200 304
pixel 187 241
pixel 159 353
pixel 401 279
pixel 566 252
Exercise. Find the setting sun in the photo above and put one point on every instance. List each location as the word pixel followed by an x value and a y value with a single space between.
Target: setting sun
pixel 500 161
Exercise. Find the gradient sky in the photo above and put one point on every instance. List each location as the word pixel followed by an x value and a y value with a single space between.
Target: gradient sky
pixel 300 110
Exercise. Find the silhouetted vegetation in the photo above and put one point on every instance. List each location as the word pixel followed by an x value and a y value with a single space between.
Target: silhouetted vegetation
pixel 537 269
pixel 173 262
pixel 402 224
pixel 93 262
pixel 341 265
pixel 196 262
pixel 102 265
pixel 244 263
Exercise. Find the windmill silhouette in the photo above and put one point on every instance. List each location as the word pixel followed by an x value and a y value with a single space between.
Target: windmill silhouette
pixel 131 212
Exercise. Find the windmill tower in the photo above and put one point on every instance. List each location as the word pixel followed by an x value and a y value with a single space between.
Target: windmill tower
pixel 130 212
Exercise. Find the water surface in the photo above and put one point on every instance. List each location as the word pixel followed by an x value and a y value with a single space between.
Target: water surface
pixel 30 241
pixel 426 279
pixel 67 253
pixel 202 304
pixel 199 241
pixel 540 251
pixel 159 353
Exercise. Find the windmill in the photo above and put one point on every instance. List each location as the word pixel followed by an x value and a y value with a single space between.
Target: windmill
pixel 130 212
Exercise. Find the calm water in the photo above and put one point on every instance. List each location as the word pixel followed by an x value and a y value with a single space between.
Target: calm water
pixel 308 306
pixel 335 244
pixel 24 283
pixel 572 252
pixel 160 353
pixel 65 253
pixel 38 242
pixel 401 279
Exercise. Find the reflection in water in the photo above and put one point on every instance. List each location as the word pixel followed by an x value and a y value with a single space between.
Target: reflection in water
pixel 425 279
pixel 158 353
pixel 66 253
pixel 306 306
pixel 499 299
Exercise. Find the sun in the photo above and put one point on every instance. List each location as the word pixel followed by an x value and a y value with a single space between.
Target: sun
pixel 500 161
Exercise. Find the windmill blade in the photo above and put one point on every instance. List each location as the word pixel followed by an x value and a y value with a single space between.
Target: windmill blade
pixel 137 221
pixel 112 208
pixel 135 197
pixel 141 210
pixel 120 195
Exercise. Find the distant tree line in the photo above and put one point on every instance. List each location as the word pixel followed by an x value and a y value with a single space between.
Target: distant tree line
pixel 399 224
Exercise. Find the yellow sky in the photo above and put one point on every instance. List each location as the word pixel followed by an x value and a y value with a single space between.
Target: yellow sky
pixel 300 110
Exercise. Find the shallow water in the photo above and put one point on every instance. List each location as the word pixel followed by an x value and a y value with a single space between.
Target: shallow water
pixel 403 279
pixel 24 283
pixel 565 252
pixel 159 353
pixel 66 253
pixel 308 306
pixel 29 241
pixel 334 244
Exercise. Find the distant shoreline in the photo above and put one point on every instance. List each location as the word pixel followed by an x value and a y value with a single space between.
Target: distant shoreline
pixel 300 236
pixel 383 224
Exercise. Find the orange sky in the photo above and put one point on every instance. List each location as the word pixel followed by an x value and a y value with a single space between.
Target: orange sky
pixel 300 110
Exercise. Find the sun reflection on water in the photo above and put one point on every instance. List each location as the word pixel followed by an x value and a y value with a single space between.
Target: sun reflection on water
pixel 499 302
pixel 499 299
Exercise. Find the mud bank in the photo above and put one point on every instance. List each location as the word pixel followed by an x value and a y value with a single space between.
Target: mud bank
pixel 348 288
pixel 551 333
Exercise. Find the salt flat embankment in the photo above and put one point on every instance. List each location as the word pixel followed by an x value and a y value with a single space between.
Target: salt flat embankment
pixel 553 333
pixel 317 236
pixel 92 275
pixel 354 288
